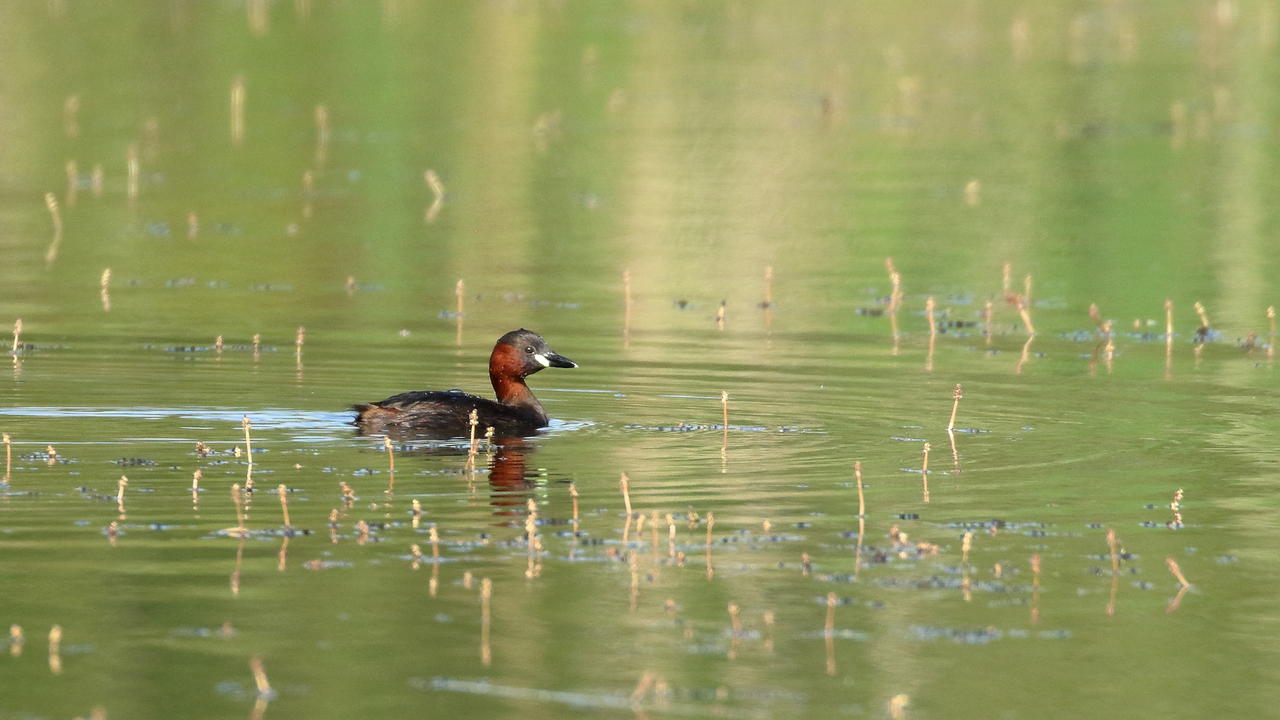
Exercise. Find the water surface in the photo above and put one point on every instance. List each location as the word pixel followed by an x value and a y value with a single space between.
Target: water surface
pixel 1117 154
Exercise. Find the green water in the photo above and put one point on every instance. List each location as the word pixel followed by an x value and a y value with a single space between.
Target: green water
pixel 1119 153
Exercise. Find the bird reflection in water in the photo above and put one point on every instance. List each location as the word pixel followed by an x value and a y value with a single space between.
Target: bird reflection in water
pixel 510 483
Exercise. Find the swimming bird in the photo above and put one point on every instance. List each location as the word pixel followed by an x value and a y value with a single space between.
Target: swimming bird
pixel 516 356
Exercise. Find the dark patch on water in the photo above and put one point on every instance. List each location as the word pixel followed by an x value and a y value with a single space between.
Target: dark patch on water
pixel 135 462
pixel 981 636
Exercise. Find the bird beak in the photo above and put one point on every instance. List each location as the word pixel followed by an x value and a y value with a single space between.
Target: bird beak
pixel 554 360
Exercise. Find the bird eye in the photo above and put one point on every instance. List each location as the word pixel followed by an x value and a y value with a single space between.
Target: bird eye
pixel 529 349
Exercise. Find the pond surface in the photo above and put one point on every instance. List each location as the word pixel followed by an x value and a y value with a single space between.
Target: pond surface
pixel 247 169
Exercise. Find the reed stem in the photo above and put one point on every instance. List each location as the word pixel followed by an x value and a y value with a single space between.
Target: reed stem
pixel 862 500
pixel 248 440
pixel 625 482
pixel 259 676
pixel 121 484
pixel 1113 543
pixel 1177 572
pixel 956 394
pixel 284 504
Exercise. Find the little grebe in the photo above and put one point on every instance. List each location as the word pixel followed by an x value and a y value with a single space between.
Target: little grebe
pixel 517 355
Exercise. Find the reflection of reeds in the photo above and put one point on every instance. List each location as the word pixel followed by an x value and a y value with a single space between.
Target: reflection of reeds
pixel 720 316
pixel 829 632
pixel 724 410
pixel 924 472
pixel 486 596
pixel 51 202
pixel 237 498
pixel 459 288
pixel 532 540
pixel 308 191
pixel 711 524
pixel 862 518
pixel 71 116
pixel 671 536
pixel 104 285
pixel 930 308
pixel 55 649
pixel 626 308
pixel 237 109
pixel 16 640
pixel 895 300
pixel 1025 356
pixel 1035 588
pixel 735 629
pixel 17 337
pixel 322 135
pixel 1271 320
pixel 437 196
pixel 195 488
pixel 573 493
pixel 73 182
pixel 8 457
pixel 121 484
pixel 134 176
pixel 1096 317
pixel 282 557
pixel 1113 544
pixel 973 193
